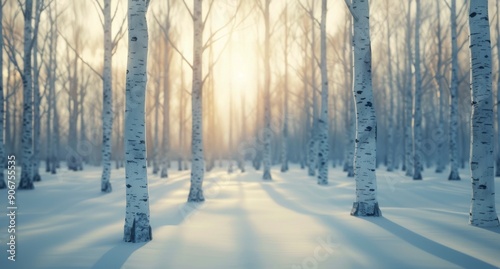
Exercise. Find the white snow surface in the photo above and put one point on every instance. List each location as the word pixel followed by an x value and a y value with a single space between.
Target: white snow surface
pixel 290 222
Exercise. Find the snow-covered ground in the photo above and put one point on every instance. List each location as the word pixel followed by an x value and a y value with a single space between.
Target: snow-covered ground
pixel 290 222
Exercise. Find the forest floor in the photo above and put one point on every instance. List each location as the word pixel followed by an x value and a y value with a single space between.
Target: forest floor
pixel 290 222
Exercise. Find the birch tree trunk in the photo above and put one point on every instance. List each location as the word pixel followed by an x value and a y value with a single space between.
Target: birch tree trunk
pixel 166 101
pixel 137 227
pixel 498 89
pixel 324 147
pixel 284 140
pixel 440 166
pixel 198 166
pixel 267 95
pixel 36 97
pixel 408 100
pixel 390 122
pixel 27 129
pixel 417 105
pixel 2 148
pixel 313 146
pixel 366 124
pixel 454 124
pixel 156 150
pixel 107 98
pixel 482 211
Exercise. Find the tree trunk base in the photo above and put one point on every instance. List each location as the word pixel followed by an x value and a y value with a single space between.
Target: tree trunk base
pixel 497 170
pixel 454 175
pixel 196 195
pixel 25 184
pixel 140 231
pixel 484 223
pixel 284 168
pixel 164 173
pixel 322 182
pixel 350 173
pixel 37 178
pixel 47 165
pixel 106 187
pixel 267 175
pixel 417 176
pixel 363 209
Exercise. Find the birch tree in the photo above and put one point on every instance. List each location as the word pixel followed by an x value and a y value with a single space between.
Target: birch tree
pixel 390 116
pixel 439 83
pixel 366 203
pixel 313 145
pixel 36 95
pixel 267 91
pixel 408 103
pixel 454 155
pixel 166 94
pixel 107 100
pixel 198 166
pixel 482 211
pixel 2 148
pixel 137 220
pixel 284 140
pixel 498 88
pixel 27 128
pixel 417 102
pixel 324 147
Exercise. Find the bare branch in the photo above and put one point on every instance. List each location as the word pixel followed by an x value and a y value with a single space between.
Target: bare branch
pixel 188 10
pixel 99 10
pixel 80 57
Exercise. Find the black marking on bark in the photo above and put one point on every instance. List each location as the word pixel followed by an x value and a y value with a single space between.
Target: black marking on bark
pixel 482 187
pixel 129 186
pixel 134 38
pixel 473 14
pixel 368 104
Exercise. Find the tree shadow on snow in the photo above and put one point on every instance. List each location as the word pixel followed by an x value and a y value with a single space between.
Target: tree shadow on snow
pixel 432 247
pixel 357 240
pixel 117 256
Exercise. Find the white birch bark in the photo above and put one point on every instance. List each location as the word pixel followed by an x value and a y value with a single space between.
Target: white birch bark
pixel 267 96
pixel 482 211
pixel 454 124
pixel 440 166
pixel 197 155
pixel 107 98
pixel 137 227
pixel 323 147
pixel 498 89
pixel 2 148
pixel 313 145
pixel 366 124
pixel 36 98
pixel 417 105
pixel 27 128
